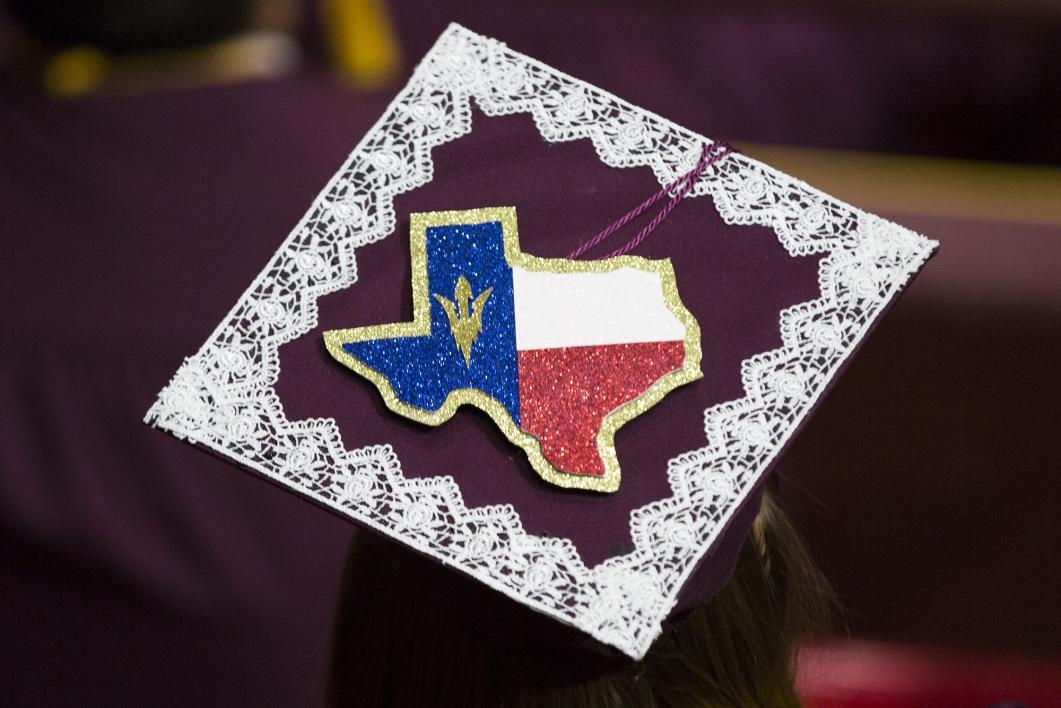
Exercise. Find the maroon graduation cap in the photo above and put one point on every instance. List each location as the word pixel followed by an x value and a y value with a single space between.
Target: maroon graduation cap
pixel 435 353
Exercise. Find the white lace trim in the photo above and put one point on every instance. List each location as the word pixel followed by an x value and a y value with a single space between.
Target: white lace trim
pixel 223 397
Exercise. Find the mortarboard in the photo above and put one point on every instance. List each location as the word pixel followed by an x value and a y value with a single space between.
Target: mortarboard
pixel 629 408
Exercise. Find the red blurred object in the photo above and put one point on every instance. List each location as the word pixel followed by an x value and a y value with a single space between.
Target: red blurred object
pixel 854 674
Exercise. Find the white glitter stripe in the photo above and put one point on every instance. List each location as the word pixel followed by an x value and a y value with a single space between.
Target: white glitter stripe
pixel 624 306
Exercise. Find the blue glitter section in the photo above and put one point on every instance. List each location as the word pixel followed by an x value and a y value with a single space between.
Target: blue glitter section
pixel 424 370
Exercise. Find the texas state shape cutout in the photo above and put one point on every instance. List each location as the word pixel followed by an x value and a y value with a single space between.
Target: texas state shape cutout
pixel 559 353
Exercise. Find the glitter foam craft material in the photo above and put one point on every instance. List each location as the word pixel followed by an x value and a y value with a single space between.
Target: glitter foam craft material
pixel 559 353
pixel 788 281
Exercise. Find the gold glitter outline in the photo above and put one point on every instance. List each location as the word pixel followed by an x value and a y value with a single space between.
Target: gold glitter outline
pixel 421 327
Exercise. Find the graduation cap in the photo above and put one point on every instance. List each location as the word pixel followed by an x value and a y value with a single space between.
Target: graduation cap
pixel 433 353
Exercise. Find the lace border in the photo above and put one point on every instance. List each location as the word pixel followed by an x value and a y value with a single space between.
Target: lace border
pixel 222 397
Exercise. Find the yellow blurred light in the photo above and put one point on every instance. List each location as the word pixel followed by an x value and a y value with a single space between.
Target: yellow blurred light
pixel 75 71
pixel 362 41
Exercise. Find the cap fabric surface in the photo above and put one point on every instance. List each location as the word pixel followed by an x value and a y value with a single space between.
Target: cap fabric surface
pixel 783 281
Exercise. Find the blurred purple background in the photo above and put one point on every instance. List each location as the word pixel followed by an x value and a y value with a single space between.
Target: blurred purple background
pixel 135 570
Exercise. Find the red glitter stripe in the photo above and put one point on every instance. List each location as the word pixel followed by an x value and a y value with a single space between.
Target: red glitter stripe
pixel 564 394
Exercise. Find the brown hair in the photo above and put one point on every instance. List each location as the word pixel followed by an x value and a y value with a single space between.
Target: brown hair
pixel 412 633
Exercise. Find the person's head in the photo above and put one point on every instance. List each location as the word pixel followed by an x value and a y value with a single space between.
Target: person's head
pixel 410 632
